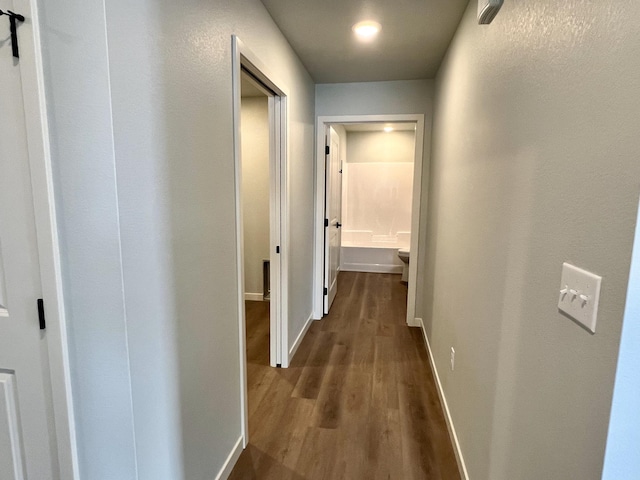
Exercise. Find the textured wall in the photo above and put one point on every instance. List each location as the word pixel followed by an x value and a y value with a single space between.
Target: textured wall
pixel 535 162
pixel 140 98
pixel 255 189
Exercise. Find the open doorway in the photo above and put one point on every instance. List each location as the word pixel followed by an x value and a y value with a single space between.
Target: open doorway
pixel 260 150
pixel 369 175
pixel 256 218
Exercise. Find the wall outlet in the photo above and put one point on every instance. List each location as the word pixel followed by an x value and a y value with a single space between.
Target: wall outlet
pixel 453 359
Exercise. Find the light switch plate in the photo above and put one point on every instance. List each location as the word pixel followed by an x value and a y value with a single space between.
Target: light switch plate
pixel 579 295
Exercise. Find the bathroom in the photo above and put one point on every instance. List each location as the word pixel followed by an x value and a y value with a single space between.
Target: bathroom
pixel 377 189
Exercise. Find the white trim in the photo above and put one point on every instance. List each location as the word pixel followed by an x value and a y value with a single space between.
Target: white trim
pixel 254 297
pixel 416 254
pixel 237 145
pixel 242 57
pixel 231 460
pixel 296 344
pixel 275 211
pixel 37 127
pixel 285 231
pixel 318 264
pixel 462 467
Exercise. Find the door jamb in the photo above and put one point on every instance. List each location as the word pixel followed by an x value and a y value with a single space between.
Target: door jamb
pixel 39 151
pixel 243 57
pixel 318 280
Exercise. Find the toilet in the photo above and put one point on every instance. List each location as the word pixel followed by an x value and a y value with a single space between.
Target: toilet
pixel 403 254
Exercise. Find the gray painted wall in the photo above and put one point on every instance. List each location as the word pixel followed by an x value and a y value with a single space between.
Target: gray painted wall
pixel 141 119
pixel 535 162
pixel 379 98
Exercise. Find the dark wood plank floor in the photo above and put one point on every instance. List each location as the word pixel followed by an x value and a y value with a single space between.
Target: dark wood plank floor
pixel 358 401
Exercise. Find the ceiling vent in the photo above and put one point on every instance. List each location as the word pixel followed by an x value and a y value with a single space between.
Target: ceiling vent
pixel 487 10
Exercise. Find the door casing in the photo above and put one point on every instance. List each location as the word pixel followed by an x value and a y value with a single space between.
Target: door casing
pixel 244 58
pixel 318 261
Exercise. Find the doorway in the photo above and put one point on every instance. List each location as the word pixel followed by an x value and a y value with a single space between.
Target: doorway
pixel 261 208
pixel 387 223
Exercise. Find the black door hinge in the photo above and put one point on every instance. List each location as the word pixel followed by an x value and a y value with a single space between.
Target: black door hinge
pixel 43 323
pixel 326 222
pixel 326 292
pixel 278 249
pixel 326 149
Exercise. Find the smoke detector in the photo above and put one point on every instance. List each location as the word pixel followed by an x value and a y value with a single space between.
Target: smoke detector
pixel 487 10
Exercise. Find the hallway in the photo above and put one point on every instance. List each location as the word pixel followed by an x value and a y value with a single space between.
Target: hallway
pixel 358 401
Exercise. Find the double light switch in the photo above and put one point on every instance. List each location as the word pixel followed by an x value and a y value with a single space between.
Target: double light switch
pixel 579 295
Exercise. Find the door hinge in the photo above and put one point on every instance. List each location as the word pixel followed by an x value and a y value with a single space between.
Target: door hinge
pixel 326 222
pixel 326 149
pixel 43 323
pixel 326 292
pixel 278 249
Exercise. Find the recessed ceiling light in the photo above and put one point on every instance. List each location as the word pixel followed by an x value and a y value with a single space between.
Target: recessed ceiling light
pixel 388 129
pixel 367 30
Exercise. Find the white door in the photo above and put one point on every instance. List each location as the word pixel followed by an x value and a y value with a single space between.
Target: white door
pixel 27 440
pixel 332 215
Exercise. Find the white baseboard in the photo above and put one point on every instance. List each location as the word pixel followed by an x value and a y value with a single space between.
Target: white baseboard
pixel 298 341
pixel 417 322
pixel 254 297
pixel 371 268
pixel 452 429
pixel 230 462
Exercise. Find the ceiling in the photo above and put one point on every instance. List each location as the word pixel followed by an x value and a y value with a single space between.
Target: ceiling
pixel 414 38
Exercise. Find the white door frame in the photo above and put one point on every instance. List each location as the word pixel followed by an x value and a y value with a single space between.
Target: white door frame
pixel 321 125
pixel 38 147
pixel 243 58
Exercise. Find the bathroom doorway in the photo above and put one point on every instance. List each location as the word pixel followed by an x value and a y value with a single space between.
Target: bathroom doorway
pixel 260 151
pixel 375 163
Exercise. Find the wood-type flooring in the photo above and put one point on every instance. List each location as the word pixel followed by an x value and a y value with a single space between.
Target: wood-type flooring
pixel 358 401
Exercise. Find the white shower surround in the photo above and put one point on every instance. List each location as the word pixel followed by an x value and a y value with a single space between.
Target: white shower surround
pixel 376 204
pixel 376 214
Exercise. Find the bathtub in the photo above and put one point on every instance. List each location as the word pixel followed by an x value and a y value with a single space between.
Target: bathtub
pixel 362 251
pixel 370 259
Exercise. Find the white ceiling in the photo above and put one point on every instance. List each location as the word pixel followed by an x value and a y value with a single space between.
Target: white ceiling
pixel 415 35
